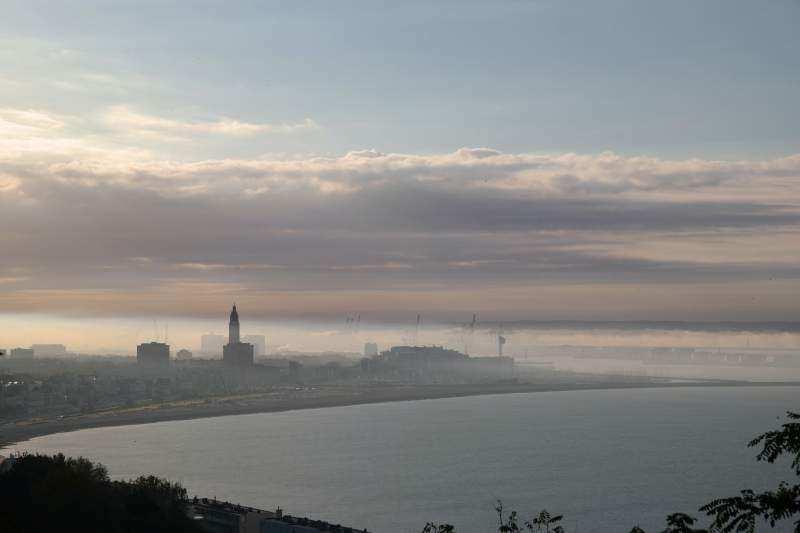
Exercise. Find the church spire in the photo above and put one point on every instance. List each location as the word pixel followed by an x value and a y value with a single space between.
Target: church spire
pixel 233 327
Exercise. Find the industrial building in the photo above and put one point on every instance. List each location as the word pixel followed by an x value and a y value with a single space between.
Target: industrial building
pixel 436 364
pixel 152 353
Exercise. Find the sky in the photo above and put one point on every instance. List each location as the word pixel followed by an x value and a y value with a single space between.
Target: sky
pixel 543 160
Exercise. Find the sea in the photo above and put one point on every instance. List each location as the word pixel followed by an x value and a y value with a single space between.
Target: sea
pixel 607 459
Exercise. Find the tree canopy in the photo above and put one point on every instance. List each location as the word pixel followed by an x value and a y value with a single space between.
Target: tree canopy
pixel 56 493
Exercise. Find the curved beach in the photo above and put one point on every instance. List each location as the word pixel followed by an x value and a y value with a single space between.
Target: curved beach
pixel 312 398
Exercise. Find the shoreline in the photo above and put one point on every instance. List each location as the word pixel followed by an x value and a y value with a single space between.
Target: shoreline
pixel 12 433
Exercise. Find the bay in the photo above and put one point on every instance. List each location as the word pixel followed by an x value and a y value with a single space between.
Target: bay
pixel 606 459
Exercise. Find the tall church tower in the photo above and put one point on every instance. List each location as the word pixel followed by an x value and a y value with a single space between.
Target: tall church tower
pixel 233 327
pixel 236 352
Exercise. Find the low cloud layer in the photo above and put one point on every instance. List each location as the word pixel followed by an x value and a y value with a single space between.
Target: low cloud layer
pixel 82 215
pixel 123 118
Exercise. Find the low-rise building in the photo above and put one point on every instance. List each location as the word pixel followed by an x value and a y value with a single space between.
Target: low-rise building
pixel 370 349
pixel 22 353
pixel 224 517
pixel 49 350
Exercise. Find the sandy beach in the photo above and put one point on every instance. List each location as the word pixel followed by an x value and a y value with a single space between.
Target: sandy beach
pixel 18 431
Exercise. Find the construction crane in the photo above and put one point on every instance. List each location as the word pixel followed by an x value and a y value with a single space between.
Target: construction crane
pixel 470 333
pixel 501 340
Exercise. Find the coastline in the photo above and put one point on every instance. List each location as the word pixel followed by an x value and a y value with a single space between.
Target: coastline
pixel 12 433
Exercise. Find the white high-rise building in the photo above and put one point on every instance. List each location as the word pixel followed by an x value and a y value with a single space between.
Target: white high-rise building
pixel 211 344
pixel 259 343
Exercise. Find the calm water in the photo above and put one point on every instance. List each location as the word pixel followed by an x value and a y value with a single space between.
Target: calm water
pixel 606 459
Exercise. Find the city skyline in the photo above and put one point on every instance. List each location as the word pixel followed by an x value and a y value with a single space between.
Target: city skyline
pixel 161 171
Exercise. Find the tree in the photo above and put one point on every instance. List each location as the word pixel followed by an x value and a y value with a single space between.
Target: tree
pixel 543 522
pixel 742 513
pixel 54 493
pixel 506 525
pixel 682 523
pixel 430 527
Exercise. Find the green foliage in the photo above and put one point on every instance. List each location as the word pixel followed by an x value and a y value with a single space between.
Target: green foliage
pixel 782 441
pixel 506 524
pixel 742 513
pixel 54 493
pixel 543 523
pixel 430 527
pixel 682 523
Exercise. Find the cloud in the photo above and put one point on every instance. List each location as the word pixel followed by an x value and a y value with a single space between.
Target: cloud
pixel 124 118
pixel 8 280
pixel 205 267
pixel 81 217
pixel 26 122
pixel 388 265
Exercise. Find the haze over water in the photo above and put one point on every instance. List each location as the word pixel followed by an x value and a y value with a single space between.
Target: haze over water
pixel 606 459
pixel 120 335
